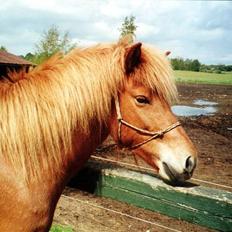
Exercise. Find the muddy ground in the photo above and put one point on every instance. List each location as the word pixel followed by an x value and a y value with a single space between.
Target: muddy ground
pixel 212 136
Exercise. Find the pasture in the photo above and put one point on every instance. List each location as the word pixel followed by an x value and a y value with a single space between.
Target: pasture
pixel 83 211
pixel 203 77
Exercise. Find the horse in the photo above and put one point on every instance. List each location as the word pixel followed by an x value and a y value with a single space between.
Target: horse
pixel 53 117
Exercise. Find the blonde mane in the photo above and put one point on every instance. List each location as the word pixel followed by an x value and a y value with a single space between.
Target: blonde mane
pixel 40 110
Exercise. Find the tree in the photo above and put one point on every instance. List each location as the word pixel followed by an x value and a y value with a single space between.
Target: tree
pixel 31 57
pixel 128 26
pixel 195 66
pixel 178 63
pixel 2 48
pixel 52 42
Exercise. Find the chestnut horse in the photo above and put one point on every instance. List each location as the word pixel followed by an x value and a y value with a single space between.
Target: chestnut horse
pixel 54 117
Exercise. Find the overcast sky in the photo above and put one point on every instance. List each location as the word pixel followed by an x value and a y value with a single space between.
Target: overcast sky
pixel 190 29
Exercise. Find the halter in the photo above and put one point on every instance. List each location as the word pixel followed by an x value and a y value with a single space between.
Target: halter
pixel 152 134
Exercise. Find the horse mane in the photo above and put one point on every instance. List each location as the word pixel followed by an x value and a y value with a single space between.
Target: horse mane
pixel 41 109
pixel 155 72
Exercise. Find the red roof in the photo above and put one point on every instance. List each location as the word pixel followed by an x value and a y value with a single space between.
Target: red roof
pixel 8 58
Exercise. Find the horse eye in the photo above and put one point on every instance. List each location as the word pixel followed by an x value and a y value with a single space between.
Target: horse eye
pixel 142 100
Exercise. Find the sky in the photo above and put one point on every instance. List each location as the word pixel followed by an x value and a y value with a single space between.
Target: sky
pixel 190 29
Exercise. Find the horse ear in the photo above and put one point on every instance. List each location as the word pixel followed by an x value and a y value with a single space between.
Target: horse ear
pixel 133 57
pixel 167 53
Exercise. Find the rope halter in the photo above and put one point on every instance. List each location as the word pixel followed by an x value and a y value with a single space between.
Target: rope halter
pixel 152 134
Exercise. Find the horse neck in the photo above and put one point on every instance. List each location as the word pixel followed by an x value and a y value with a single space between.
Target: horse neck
pixel 84 146
pixel 52 184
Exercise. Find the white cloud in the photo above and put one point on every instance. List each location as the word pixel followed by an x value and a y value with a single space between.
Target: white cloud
pixel 106 29
pixel 145 30
pixel 85 42
pixel 113 9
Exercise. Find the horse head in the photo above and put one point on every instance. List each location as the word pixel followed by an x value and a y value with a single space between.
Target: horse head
pixel 142 119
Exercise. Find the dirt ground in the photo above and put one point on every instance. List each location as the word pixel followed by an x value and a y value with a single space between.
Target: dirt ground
pixel 212 136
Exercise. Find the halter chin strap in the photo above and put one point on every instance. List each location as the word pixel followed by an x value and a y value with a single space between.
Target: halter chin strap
pixel 152 134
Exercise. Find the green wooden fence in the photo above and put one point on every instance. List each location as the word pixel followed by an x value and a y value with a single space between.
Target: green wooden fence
pixel 205 206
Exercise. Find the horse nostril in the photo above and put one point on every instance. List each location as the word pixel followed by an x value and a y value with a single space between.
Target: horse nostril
pixel 190 164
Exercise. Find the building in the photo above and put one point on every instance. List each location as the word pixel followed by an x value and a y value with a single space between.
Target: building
pixel 10 62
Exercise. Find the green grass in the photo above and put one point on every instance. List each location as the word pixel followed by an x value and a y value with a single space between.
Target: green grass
pixel 59 228
pixel 203 78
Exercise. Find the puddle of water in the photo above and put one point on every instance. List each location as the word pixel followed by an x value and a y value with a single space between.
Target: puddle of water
pixel 193 111
pixel 203 108
pixel 201 102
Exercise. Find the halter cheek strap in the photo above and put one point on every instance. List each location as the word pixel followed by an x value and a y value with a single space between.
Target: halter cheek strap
pixel 152 134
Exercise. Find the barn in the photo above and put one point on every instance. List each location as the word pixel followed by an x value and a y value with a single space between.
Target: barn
pixel 12 62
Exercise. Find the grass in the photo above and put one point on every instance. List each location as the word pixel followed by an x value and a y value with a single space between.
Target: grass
pixel 59 228
pixel 203 78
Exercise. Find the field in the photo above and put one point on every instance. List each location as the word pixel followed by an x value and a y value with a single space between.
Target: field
pixel 203 78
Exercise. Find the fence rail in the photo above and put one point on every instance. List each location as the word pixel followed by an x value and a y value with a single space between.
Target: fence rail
pixel 196 204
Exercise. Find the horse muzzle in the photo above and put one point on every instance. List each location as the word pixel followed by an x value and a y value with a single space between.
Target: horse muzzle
pixel 170 173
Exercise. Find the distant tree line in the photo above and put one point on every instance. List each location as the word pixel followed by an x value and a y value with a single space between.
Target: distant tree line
pixel 185 64
pixel 216 68
pixel 196 66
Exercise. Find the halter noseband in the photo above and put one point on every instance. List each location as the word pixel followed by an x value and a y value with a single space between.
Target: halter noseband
pixel 152 134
